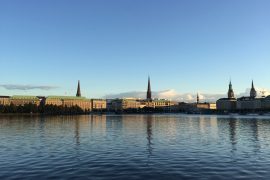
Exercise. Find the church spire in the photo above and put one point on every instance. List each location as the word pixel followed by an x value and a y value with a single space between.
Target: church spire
pixel 78 90
pixel 230 91
pixel 149 93
pixel 253 92
pixel 198 98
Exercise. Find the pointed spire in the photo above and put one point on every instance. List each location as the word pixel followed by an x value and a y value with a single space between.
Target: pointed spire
pixel 78 90
pixel 198 98
pixel 253 92
pixel 149 93
pixel 230 91
pixel 230 84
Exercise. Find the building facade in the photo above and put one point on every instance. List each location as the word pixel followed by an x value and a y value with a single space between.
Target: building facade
pixel 247 103
pixel 22 100
pixel 206 105
pixel 251 102
pixel 265 102
pixel 69 101
pixel 98 104
pixel 125 104
pixel 4 100
pixel 227 104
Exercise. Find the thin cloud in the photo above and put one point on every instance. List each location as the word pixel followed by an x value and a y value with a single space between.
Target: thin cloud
pixel 183 97
pixel 26 87
pixel 167 94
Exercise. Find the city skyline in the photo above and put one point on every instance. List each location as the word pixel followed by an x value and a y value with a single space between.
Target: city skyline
pixel 149 94
pixel 186 47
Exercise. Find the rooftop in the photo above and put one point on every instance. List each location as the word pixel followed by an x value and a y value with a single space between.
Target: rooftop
pixel 67 97
pixel 4 96
pixel 223 99
pixel 24 97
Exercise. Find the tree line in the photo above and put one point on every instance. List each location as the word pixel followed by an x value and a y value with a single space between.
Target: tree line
pixel 42 109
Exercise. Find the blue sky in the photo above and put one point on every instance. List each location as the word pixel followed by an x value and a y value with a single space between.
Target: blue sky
pixel 113 45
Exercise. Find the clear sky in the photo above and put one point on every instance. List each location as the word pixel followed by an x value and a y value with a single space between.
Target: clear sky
pixel 113 45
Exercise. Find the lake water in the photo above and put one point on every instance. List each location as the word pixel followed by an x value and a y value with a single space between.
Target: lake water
pixel 134 147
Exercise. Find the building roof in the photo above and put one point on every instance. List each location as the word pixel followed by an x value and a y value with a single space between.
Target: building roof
pixel 227 99
pixel 98 99
pixel 66 97
pixel 4 96
pixel 248 98
pixel 244 98
pixel 161 100
pixel 267 97
pixel 24 97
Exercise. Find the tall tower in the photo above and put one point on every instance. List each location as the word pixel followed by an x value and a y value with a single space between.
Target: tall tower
pixel 78 90
pixel 253 92
pixel 230 91
pixel 149 93
pixel 198 98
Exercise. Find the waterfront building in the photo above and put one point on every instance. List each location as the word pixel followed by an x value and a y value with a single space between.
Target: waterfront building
pixel 159 103
pixel 55 100
pixel 22 100
pixel 266 103
pixel 196 107
pixel 125 104
pixel 248 103
pixel 131 103
pixel 4 100
pixel 98 104
pixel 206 105
pixel 227 104
pixel 69 101
pixel 154 103
pixel 251 102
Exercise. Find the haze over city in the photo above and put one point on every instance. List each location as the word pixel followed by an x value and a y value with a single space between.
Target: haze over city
pixel 112 46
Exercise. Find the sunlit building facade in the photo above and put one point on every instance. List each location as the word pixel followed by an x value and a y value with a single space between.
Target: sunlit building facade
pixel 4 100
pixel 69 101
pixel 98 104
pixel 22 100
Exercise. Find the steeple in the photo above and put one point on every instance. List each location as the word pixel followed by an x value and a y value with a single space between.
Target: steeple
pixel 198 98
pixel 149 93
pixel 253 92
pixel 78 90
pixel 230 91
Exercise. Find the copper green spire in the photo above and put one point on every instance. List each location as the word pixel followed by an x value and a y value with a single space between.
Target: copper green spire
pixel 230 91
pixel 78 90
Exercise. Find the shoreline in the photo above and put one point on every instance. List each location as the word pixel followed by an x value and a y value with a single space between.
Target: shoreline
pixel 139 113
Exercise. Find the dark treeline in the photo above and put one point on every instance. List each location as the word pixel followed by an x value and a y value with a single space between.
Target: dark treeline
pixel 42 109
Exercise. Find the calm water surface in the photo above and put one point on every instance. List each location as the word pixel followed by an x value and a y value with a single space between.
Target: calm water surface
pixel 134 147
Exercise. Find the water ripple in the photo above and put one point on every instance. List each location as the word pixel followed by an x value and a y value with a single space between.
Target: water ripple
pixel 134 147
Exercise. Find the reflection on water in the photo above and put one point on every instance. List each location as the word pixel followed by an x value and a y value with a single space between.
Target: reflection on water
pixel 149 134
pixel 134 147
pixel 232 128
